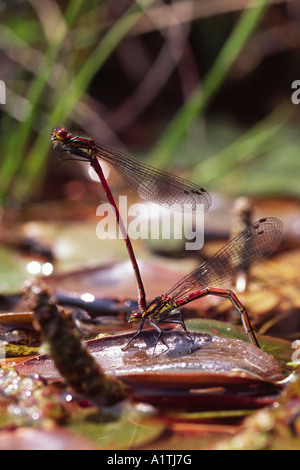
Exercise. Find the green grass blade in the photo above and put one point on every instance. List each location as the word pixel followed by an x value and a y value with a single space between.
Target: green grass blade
pixel 195 106
pixel 252 144
pixel 16 149
pixel 69 98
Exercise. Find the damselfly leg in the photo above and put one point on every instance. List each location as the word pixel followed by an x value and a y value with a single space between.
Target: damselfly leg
pixel 246 250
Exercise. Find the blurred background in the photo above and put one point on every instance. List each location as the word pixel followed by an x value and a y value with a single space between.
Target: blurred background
pixel 198 87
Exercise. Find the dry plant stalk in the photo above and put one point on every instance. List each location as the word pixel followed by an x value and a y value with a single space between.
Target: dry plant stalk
pixel 71 357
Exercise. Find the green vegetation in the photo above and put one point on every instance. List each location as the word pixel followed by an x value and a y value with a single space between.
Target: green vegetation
pixel 68 47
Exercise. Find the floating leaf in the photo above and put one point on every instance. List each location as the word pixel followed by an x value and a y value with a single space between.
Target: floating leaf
pixel 17 335
pixel 126 432
pixel 204 363
pixel 16 318
pixel 280 349
pixel 13 271
pixel 57 438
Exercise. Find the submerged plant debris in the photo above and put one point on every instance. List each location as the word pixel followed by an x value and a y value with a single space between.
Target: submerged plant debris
pixel 76 365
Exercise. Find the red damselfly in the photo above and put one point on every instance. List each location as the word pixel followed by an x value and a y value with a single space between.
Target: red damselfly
pixel 158 186
pixel 250 247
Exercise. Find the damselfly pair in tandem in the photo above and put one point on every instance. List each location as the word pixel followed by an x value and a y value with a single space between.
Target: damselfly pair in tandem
pixel 246 250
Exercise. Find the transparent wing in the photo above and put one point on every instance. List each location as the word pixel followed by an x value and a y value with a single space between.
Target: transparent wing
pixel 240 254
pixel 157 186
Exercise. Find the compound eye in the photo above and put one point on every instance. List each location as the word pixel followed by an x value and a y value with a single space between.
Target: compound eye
pixel 61 133
pixel 135 316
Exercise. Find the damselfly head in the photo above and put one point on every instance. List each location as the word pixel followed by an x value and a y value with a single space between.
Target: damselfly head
pixel 135 317
pixel 71 147
pixel 59 138
pixel 59 134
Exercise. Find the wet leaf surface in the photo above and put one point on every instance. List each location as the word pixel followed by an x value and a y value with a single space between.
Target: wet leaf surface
pixel 88 431
pixel 204 360
pixel 43 439
pixel 207 373
pixel 280 349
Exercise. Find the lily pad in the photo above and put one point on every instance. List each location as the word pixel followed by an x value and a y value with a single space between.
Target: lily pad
pixel 202 360
pixel 279 348
pixel 43 439
pixel 13 271
pixel 16 318
pixel 122 432
pixel 17 335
